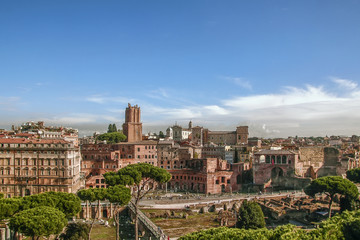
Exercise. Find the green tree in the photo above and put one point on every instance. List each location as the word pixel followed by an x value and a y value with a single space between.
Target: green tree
pixel 250 216
pixel 89 197
pixel 118 195
pixel 110 128
pixel 100 195
pixel 39 221
pixel 141 178
pixel 161 134
pixel 1 195
pixel 351 229
pixel 332 185
pixel 10 206
pixel 353 175
pixel 349 204
pixel 76 231
pixel 68 203
pixel 113 137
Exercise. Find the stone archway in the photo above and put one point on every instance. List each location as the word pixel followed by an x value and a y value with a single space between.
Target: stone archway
pixel 277 172
pixel 27 192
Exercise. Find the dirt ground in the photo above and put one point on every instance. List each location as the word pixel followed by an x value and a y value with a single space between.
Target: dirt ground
pixel 176 227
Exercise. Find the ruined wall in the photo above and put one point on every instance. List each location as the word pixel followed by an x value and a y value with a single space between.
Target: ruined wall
pixel 331 162
pixel 311 159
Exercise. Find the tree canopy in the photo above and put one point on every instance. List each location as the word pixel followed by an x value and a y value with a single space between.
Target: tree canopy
pixel 353 175
pixel 38 221
pixel 136 174
pixel 67 203
pixel 341 226
pixel 250 216
pixel 76 231
pixel 161 134
pixel 112 137
pixel 332 185
pixel 9 206
pixel 119 196
pixel 112 128
pixel 141 177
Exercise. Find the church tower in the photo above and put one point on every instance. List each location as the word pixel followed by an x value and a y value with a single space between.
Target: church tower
pixel 132 127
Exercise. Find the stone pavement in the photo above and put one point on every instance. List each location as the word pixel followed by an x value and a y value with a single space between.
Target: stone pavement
pixel 176 204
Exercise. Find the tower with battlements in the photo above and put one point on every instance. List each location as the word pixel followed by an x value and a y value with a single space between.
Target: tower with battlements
pixel 132 127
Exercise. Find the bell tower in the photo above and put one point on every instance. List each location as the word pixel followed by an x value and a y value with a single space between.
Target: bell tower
pixel 132 127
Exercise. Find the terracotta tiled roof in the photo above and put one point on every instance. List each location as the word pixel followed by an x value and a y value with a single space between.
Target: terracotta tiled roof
pixel 25 140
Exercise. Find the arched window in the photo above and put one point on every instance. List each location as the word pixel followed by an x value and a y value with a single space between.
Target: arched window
pixel 283 159
pixel 278 159
pixel 267 159
pixel 238 179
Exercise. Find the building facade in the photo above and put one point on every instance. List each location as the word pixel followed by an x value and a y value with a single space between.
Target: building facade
pixel 31 166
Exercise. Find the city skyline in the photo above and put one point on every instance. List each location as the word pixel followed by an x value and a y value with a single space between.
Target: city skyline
pixel 282 68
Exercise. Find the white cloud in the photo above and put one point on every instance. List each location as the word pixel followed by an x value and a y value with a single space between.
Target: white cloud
pixel 80 118
pixel 239 81
pixel 216 110
pixel 290 96
pixel 101 99
pixel 307 110
pixel 344 83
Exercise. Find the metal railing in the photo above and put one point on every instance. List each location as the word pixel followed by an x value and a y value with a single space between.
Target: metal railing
pixel 155 230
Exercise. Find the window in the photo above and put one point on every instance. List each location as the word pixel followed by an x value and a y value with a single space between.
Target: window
pixel 222 179
pixel 97 181
pixel 138 149
pixel 217 182
pixel 228 181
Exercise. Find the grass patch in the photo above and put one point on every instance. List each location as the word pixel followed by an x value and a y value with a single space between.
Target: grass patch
pixel 100 232
pixel 176 227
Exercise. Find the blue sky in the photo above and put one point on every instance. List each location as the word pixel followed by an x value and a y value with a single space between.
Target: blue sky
pixel 282 67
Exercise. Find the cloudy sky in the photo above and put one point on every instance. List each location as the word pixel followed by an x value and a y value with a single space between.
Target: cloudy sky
pixel 284 68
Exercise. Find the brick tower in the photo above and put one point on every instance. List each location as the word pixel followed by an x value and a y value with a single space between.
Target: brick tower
pixel 242 134
pixel 132 127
